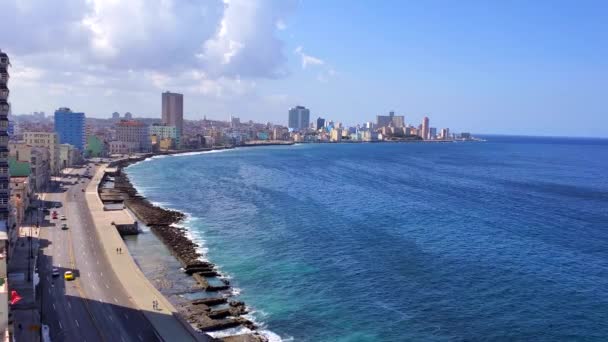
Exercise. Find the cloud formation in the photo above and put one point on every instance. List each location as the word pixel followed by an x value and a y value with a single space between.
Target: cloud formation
pixel 211 47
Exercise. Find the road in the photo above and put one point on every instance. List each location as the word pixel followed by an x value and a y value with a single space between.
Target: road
pixel 94 306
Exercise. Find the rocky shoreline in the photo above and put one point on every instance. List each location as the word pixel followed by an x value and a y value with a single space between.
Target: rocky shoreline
pixel 200 313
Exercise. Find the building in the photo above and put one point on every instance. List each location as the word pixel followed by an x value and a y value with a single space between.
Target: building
pixel 163 132
pixel 38 164
pixel 49 141
pixel 95 147
pixel 234 122
pixel 128 116
pixel 135 134
pixel 299 118
pixel 432 133
pixel 173 111
pixel 445 133
pixel 335 135
pixel 5 109
pixel 391 118
pixel 425 129
pixel 115 116
pixel 21 194
pixel 71 127
pixel 320 123
pixel 68 155
pixel 119 147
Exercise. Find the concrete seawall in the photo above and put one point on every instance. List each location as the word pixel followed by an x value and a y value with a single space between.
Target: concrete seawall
pixel 167 324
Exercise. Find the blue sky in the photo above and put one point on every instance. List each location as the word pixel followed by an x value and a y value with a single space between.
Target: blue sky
pixel 510 67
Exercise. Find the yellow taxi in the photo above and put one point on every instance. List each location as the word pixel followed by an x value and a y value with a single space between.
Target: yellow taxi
pixel 68 275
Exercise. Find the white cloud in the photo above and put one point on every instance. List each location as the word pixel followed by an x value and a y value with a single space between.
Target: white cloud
pixel 211 48
pixel 307 59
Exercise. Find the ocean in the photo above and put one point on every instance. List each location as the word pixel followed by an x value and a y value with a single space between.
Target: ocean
pixel 499 240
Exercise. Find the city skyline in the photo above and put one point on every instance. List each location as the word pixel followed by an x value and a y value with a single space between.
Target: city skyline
pixel 488 68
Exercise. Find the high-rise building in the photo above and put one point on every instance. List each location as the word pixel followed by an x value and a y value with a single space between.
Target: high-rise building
pixel 425 128
pixel 234 122
pixel 432 133
pixel 71 127
pixel 390 119
pixel 128 116
pixel 320 123
pixel 445 133
pixel 116 116
pixel 173 111
pixel 299 118
pixel 4 173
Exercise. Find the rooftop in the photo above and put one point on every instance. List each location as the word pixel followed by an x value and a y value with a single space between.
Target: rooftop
pixel 132 123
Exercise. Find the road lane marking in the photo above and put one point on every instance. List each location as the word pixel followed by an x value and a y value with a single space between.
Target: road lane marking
pixel 116 300
pixel 69 304
pixel 60 326
pixel 54 308
pixel 122 338
pixel 126 316
pixel 49 290
pixel 110 317
pixel 97 262
pixel 107 287
pixel 77 323
pixel 89 274
pixel 101 274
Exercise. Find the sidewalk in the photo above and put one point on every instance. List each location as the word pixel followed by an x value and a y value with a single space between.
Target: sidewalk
pixel 22 278
pixel 138 287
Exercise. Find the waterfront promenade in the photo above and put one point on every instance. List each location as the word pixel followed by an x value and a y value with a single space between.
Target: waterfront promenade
pixel 164 319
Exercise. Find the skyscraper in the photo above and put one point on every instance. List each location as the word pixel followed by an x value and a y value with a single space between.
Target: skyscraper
pixel 173 110
pixel 4 111
pixel 299 118
pixel 425 128
pixel 71 127
pixel 390 119
pixel 320 123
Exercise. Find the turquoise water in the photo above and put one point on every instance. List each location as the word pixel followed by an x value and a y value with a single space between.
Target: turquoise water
pixel 502 240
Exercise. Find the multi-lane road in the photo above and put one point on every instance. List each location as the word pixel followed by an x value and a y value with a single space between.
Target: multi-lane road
pixel 94 306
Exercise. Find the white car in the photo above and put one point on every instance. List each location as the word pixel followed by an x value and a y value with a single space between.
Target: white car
pixel 62 218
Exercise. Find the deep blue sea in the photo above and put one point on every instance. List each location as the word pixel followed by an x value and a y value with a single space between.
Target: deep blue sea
pixel 499 240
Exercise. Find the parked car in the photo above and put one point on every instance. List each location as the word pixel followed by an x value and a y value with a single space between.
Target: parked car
pixel 64 226
pixel 63 218
pixel 55 272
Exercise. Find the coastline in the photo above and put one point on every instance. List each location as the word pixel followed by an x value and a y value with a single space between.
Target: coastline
pixel 164 224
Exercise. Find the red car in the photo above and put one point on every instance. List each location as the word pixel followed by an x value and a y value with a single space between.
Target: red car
pixel 54 216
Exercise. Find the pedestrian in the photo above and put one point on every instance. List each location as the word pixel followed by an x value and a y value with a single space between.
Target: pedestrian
pixel 120 249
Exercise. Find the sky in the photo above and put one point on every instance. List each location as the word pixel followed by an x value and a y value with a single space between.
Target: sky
pixel 506 67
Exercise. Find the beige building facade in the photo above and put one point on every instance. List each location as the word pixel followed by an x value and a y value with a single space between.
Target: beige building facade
pixel 47 140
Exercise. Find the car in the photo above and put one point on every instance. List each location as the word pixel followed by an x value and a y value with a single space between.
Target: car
pixel 55 272
pixel 63 218
pixel 58 205
pixel 82 190
pixel 64 226
pixel 54 216
pixel 68 275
